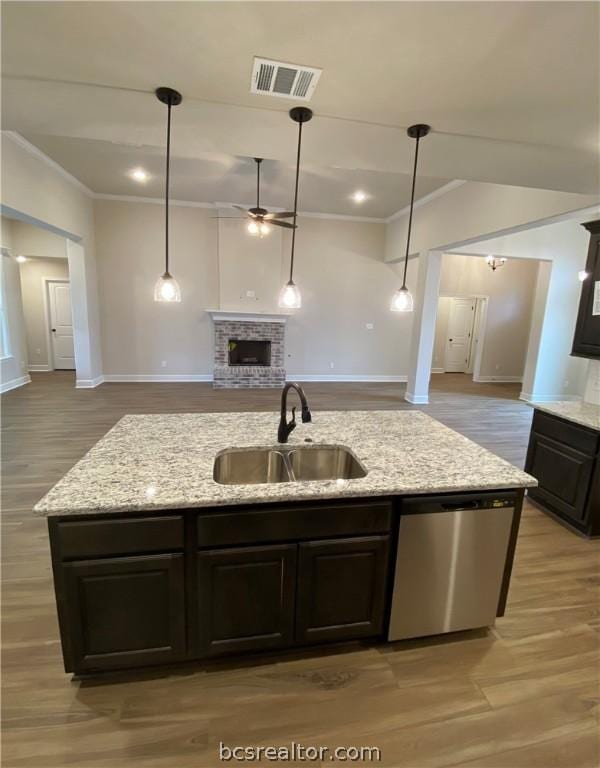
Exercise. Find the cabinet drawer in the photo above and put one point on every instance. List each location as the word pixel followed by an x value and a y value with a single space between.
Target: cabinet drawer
pixel 293 523
pixel 94 538
pixel 579 438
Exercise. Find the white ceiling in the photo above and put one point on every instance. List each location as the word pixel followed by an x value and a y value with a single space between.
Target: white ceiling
pixel 511 90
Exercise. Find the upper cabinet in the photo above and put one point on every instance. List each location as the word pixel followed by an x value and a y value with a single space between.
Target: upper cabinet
pixel 586 342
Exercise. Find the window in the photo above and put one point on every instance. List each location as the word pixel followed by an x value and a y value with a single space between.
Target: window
pixel 4 339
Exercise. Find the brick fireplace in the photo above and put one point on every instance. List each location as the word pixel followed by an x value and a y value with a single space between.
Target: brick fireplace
pixel 249 350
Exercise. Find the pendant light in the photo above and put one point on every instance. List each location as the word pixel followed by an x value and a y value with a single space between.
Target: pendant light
pixel 402 301
pixel 166 288
pixel 289 297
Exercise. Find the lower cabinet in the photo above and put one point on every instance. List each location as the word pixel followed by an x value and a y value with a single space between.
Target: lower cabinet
pixel 275 596
pixel 341 589
pixel 565 460
pixel 246 598
pixel 125 611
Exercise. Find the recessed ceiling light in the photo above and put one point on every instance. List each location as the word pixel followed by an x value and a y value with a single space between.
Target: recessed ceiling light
pixel 140 175
pixel 359 196
pixel 21 259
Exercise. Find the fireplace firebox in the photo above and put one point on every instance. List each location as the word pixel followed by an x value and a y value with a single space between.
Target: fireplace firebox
pixel 249 352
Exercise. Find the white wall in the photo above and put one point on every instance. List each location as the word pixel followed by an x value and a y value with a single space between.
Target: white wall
pixel 13 367
pixel 340 270
pixel 33 288
pixel 138 334
pixel 35 188
pixel 510 291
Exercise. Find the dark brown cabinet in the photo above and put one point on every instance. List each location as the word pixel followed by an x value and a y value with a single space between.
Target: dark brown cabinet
pixel 219 581
pixel 125 611
pixel 246 598
pixel 586 341
pixel 564 459
pixel 341 588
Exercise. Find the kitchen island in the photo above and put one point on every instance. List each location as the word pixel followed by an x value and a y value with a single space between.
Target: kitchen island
pixel 156 562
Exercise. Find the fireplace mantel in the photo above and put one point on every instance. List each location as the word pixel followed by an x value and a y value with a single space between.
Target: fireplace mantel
pixel 234 315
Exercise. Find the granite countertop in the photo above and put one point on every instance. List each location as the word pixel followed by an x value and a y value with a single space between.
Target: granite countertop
pixel 579 412
pixel 155 462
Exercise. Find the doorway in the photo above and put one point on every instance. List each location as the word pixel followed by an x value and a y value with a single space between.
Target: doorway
pixel 60 330
pixel 459 332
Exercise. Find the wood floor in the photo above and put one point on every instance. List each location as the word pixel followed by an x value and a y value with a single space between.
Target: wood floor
pixel 523 695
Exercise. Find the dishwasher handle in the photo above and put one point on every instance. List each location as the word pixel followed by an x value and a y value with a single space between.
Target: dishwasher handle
pixel 459 501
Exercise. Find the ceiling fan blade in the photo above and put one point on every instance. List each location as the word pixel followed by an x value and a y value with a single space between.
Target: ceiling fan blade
pixel 241 208
pixel 280 215
pixel 285 224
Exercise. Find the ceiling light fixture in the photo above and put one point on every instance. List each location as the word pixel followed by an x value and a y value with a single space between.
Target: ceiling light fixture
pixel 140 175
pixel 166 288
pixel 290 297
pixel 582 275
pixel 21 259
pixel 359 196
pixel 402 300
pixel 259 217
pixel 494 263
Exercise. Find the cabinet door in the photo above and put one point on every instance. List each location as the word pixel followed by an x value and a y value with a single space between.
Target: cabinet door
pixel 563 474
pixel 125 611
pixel 586 341
pixel 246 598
pixel 341 588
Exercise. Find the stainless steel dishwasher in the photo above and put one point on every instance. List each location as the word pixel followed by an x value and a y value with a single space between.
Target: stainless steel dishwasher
pixel 452 553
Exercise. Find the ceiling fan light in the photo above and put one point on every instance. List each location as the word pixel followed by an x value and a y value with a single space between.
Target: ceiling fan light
pixel 402 301
pixel 253 228
pixel 264 229
pixel 290 297
pixel 166 289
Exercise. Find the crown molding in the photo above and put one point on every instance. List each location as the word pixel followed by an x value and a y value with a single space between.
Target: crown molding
pixel 36 152
pixel 427 198
pixel 151 200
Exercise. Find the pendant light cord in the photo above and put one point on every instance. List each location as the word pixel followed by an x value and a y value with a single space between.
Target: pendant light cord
pixel 258 185
pixel 168 173
pixel 410 215
pixel 296 200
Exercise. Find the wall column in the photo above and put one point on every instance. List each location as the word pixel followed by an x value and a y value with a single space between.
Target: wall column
pixel 423 328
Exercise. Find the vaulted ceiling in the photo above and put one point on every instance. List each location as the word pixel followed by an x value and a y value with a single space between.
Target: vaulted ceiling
pixel 510 89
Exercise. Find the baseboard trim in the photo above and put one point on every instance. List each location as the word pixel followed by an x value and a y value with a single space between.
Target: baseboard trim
pixel 156 377
pixel 38 368
pixel 416 399
pixel 89 383
pixel 20 381
pixel 345 377
pixel 498 380
pixel 438 370
pixel 532 399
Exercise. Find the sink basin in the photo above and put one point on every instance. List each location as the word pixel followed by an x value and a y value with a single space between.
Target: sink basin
pixel 324 463
pixel 286 465
pixel 253 466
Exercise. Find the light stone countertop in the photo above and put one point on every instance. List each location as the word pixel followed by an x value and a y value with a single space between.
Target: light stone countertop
pixel 155 462
pixel 579 412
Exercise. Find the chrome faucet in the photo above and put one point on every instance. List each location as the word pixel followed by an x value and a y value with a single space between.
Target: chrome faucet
pixel 286 427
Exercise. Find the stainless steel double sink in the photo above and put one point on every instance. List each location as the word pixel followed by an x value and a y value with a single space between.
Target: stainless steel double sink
pixel 286 465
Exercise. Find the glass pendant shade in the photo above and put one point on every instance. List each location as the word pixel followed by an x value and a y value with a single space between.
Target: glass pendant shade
pixel 253 228
pixel 402 301
pixel 290 297
pixel 264 229
pixel 167 289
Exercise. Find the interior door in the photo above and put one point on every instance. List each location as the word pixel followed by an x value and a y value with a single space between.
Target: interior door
pixel 460 328
pixel 61 325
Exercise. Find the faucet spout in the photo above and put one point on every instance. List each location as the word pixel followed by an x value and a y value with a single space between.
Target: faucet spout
pixel 285 426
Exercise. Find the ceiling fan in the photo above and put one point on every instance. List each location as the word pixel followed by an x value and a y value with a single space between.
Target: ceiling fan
pixel 260 218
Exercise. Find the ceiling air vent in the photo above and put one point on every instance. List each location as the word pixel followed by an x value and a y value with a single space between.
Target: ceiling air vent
pixel 290 81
